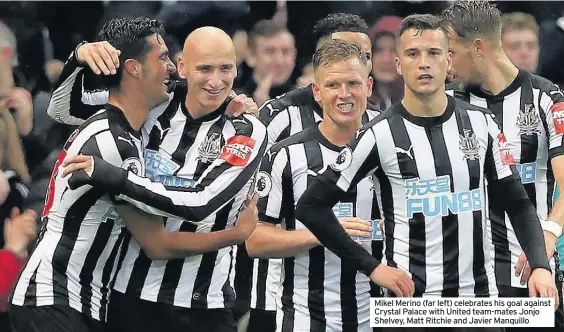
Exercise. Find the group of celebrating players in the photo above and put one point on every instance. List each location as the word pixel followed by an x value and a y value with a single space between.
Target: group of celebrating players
pixel 165 178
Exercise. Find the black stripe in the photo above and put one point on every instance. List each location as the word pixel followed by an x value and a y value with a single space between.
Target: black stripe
pixel 289 224
pixel 207 264
pixel 86 275
pixel 308 117
pixel 30 298
pixel 106 275
pixel 408 170
pixel 156 136
pixel 63 251
pixel 189 133
pixel 365 118
pixel 529 142
pixel 266 166
pixel 316 272
pixel 475 176
pixel 497 219
pixel 349 304
pixel 173 271
pixel 262 276
pixel 139 273
pixel 123 252
pixel 387 198
pixel 441 159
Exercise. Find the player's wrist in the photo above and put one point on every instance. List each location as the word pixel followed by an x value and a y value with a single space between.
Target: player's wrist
pixel 75 53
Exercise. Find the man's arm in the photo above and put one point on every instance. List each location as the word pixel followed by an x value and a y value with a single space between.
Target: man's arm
pixel 505 184
pixel 272 181
pixel 71 103
pixel 160 244
pixel 552 108
pixel 219 183
pixel 315 207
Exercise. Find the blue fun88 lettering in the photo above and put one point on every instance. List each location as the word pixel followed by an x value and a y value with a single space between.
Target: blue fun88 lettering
pixel 432 197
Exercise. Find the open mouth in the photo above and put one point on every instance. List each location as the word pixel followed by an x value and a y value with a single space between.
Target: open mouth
pixel 345 107
pixel 213 92
pixel 425 77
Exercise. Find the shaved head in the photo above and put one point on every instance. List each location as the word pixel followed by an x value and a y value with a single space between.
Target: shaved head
pixel 206 41
pixel 208 63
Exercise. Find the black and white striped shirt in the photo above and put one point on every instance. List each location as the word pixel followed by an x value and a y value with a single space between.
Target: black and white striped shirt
pixel 431 173
pixel 188 157
pixel 193 153
pixel 74 260
pixel 528 111
pixel 284 116
pixel 319 291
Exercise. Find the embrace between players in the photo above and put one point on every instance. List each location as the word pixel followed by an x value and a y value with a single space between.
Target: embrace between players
pixel 428 145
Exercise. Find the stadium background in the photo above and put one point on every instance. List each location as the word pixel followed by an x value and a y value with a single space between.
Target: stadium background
pixel 37 37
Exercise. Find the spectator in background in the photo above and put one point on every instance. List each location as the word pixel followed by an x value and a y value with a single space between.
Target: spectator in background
pixel 12 165
pixel 520 38
pixel 19 232
pixel 272 56
pixel 388 85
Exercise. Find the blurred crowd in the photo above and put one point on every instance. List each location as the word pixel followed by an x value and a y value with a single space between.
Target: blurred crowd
pixel 274 43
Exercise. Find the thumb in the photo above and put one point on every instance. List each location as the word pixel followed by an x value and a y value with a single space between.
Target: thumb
pixel 252 201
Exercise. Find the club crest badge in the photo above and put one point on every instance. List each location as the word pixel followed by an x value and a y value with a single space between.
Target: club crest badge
pixel 528 120
pixel 134 165
pixel 343 161
pixel 209 149
pixel 469 145
pixel 263 184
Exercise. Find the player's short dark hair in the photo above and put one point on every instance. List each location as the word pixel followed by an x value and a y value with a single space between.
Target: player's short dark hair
pixel 420 22
pixel 264 28
pixel 338 50
pixel 472 19
pixel 340 22
pixel 130 37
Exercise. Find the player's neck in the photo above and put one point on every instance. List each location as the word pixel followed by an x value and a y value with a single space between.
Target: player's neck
pixel 196 109
pixel 498 73
pixel 338 135
pixel 425 106
pixel 134 106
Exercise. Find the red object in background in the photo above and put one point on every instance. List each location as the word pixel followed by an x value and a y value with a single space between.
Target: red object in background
pixel 10 267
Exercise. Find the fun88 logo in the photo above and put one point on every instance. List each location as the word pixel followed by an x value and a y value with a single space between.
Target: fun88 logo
pixel 528 172
pixel 433 198
pixel 161 169
pixel 155 164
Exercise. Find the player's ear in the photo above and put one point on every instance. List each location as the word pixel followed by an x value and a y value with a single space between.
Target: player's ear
pixel 398 66
pixel 133 67
pixel 316 92
pixel 181 67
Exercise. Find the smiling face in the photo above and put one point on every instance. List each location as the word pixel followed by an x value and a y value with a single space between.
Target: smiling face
pixel 156 68
pixel 342 88
pixel 208 64
pixel 423 60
